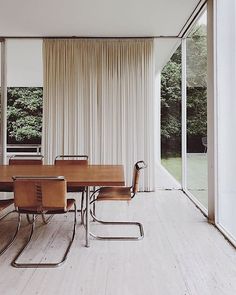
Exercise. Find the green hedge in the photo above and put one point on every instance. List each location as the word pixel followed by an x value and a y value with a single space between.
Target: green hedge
pixel 24 114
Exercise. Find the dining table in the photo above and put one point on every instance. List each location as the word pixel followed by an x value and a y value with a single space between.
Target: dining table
pixel 75 175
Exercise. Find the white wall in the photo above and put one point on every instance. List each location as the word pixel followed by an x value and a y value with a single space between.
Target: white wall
pixel 24 63
pixel 164 48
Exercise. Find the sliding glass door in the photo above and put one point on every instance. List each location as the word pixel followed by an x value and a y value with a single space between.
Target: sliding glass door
pixel 196 113
pixel 171 116
pixel 24 95
pixel 184 111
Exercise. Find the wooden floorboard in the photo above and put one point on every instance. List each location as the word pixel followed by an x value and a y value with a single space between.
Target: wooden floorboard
pixel 181 254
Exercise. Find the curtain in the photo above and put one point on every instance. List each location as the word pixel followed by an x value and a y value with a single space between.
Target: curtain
pixel 99 101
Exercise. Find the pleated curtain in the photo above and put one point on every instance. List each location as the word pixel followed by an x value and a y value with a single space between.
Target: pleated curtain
pixel 99 101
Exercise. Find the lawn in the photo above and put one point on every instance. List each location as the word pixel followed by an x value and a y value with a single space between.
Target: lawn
pixel 196 174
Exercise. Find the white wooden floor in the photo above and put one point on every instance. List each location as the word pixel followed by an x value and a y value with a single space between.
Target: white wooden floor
pixel 180 254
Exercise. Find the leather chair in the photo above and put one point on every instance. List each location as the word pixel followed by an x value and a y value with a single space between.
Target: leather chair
pixel 37 196
pixel 118 194
pixel 73 160
pixel 26 160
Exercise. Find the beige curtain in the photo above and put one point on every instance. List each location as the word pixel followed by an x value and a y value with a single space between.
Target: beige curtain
pixel 99 100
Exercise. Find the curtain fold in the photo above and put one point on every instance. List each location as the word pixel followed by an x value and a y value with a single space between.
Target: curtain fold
pixel 99 101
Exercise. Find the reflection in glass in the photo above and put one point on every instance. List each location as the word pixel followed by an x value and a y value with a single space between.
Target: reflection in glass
pixel 171 115
pixel 196 51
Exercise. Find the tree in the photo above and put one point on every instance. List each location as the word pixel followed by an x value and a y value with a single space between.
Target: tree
pixel 171 97
pixel 24 114
pixel 196 94
pixel 197 83
pixel 171 106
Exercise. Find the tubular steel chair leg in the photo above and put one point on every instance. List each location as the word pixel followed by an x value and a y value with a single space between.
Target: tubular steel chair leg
pixel 14 263
pixel 10 242
pixel 93 201
pixel 82 206
pixel 30 221
pixel 4 216
pixel 43 265
pixel 46 220
pixel 128 238
pixel 94 208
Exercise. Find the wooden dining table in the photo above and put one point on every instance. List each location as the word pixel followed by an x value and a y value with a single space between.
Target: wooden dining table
pixel 75 175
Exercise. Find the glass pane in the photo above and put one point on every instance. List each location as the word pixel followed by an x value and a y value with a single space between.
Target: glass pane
pixel 24 96
pixel 171 115
pixel 197 111
pixel 24 115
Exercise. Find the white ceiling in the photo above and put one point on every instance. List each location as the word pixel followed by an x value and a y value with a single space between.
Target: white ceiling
pixel 94 18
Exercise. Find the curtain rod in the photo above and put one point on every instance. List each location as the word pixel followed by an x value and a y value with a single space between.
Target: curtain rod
pixel 79 37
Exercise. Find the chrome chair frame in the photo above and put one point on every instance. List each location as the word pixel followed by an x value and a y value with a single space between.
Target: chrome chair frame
pixel 44 219
pixel 128 238
pixel 133 189
pixel 35 214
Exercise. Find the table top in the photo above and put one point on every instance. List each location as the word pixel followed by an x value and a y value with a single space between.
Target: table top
pixel 82 175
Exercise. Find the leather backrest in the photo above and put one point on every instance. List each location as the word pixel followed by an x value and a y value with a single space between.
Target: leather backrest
pixel 40 194
pixel 136 173
pixel 71 160
pixel 25 161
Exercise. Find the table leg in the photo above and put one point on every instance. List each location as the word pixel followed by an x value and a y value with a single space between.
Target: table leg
pixel 87 215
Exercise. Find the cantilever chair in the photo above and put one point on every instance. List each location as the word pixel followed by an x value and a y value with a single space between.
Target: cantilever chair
pixel 118 194
pixel 73 160
pixel 26 160
pixel 37 195
pixel 22 159
pixel 4 204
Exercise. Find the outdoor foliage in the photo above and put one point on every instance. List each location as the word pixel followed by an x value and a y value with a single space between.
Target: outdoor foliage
pixel 171 97
pixel 24 114
pixel 196 96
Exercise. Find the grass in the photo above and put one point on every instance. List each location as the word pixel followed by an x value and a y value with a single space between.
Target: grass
pixel 174 166
pixel 196 174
